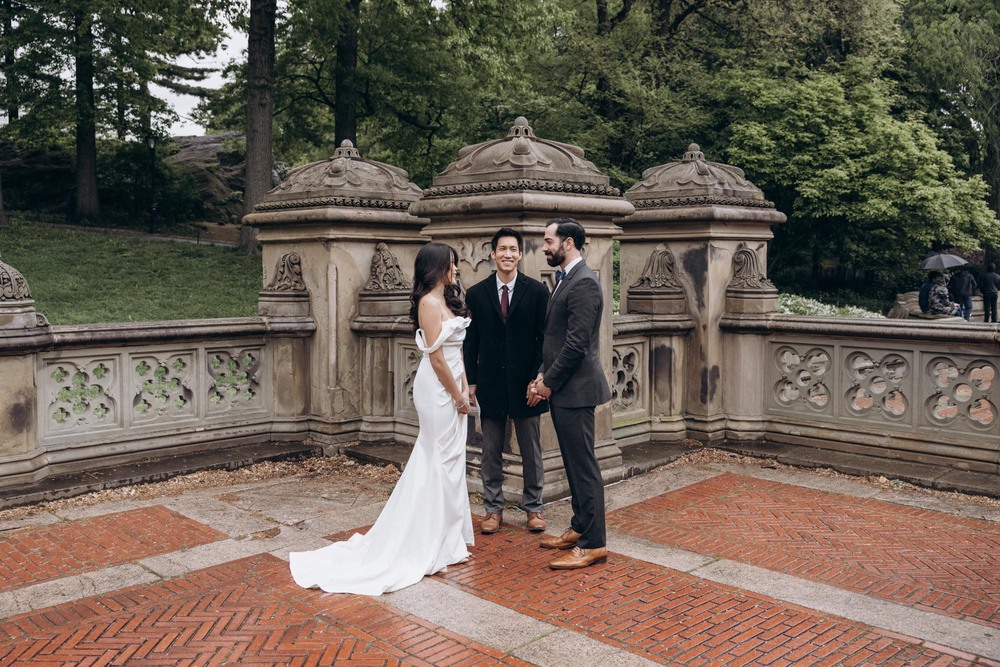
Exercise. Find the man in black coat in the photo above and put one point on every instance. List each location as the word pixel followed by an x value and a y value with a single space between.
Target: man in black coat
pixel 503 351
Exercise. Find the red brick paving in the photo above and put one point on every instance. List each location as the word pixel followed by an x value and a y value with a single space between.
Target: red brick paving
pixel 245 612
pixel 42 553
pixel 929 560
pixel 669 616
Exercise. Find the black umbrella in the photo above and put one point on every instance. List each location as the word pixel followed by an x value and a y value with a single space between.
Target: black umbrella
pixel 942 260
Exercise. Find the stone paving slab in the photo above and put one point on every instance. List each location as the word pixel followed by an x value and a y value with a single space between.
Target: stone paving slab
pixel 924 559
pixel 672 617
pixel 678 604
pixel 42 553
pixel 244 612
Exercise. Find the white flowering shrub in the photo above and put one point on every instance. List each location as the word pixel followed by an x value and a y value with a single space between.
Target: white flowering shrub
pixel 793 304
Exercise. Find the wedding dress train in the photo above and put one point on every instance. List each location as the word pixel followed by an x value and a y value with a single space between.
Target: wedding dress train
pixel 426 523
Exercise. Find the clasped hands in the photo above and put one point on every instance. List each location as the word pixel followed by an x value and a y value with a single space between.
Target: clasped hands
pixel 538 392
pixel 464 404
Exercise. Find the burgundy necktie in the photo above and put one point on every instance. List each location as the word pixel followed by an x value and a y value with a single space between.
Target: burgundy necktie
pixel 504 302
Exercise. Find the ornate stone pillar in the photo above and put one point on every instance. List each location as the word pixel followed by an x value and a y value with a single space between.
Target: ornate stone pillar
pixel 715 225
pixel 521 181
pixel 22 330
pixel 329 227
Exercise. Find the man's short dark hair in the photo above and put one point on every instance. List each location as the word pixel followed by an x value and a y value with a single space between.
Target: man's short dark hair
pixel 933 274
pixel 507 231
pixel 568 228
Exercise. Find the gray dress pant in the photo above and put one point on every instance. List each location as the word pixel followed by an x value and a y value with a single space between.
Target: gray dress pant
pixel 491 470
pixel 575 432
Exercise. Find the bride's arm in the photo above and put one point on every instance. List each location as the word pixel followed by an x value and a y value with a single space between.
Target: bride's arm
pixel 429 315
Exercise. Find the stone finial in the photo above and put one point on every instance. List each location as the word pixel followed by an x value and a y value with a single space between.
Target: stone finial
pixel 520 161
pixel 695 181
pixel 345 179
pixel 13 286
pixel 17 308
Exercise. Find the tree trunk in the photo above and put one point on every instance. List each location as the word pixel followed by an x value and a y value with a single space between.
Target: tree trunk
pixel 345 115
pixel 87 206
pixel 4 220
pixel 13 112
pixel 260 110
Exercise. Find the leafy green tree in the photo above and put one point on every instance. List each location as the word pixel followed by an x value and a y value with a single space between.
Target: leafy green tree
pixel 952 72
pixel 859 185
pixel 115 49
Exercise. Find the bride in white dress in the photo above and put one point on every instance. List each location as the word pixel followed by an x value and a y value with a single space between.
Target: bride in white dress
pixel 426 524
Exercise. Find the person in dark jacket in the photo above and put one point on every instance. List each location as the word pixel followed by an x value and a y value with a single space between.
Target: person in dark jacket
pixel 989 285
pixel 503 350
pixel 924 297
pixel 962 286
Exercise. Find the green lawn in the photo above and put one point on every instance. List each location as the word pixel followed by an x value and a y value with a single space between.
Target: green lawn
pixel 81 277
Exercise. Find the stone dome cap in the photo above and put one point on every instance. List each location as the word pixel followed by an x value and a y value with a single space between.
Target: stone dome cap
pixel 520 161
pixel 345 179
pixel 695 181
pixel 13 286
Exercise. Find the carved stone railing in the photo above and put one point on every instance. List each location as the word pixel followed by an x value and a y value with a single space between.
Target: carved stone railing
pixel 923 392
pixel 96 395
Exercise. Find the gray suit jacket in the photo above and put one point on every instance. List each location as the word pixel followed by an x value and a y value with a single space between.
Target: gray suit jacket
pixel 571 364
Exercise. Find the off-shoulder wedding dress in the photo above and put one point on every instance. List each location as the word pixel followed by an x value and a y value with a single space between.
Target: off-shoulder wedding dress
pixel 426 524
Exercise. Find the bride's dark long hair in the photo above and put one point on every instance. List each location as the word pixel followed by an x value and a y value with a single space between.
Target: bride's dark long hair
pixel 431 264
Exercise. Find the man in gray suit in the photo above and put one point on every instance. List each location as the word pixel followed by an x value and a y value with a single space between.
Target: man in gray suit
pixel 572 380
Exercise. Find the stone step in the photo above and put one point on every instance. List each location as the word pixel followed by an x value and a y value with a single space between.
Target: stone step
pixel 636 459
pixel 68 485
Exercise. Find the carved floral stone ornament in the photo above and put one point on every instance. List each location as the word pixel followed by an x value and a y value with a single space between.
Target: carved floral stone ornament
pixel 694 181
pixel 748 270
pixel 345 179
pixel 386 275
pixel 659 274
pixel 520 161
pixel 13 286
pixel 287 275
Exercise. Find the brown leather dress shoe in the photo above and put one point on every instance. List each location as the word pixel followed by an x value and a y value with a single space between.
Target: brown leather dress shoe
pixel 564 541
pixel 491 524
pixel 578 558
pixel 536 523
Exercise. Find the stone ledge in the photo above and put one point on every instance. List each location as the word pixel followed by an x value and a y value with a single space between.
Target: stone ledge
pixel 158 469
pixel 920 474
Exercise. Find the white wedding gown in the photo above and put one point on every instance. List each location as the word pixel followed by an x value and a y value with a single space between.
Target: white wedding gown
pixel 426 523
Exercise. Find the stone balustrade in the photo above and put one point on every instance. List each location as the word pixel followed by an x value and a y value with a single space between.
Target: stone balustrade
pixel 698 351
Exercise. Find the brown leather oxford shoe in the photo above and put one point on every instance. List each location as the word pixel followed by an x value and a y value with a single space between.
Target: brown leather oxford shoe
pixel 536 523
pixel 578 558
pixel 564 541
pixel 491 524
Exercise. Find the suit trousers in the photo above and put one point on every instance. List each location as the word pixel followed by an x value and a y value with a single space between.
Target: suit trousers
pixel 575 432
pixel 491 469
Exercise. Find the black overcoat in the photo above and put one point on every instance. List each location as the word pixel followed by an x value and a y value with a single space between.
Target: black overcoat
pixel 502 358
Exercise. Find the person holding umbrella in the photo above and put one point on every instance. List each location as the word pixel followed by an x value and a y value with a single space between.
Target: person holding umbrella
pixel 939 300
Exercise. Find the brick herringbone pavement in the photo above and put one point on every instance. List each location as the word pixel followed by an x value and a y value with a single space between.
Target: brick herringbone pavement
pixel 42 553
pixel 929 560
pixel 669 616
pixel 245 612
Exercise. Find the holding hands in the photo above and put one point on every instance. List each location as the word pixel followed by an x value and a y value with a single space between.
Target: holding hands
pixel 538 392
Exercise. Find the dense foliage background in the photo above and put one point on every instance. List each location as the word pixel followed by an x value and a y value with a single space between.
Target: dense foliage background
pixel 873 124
